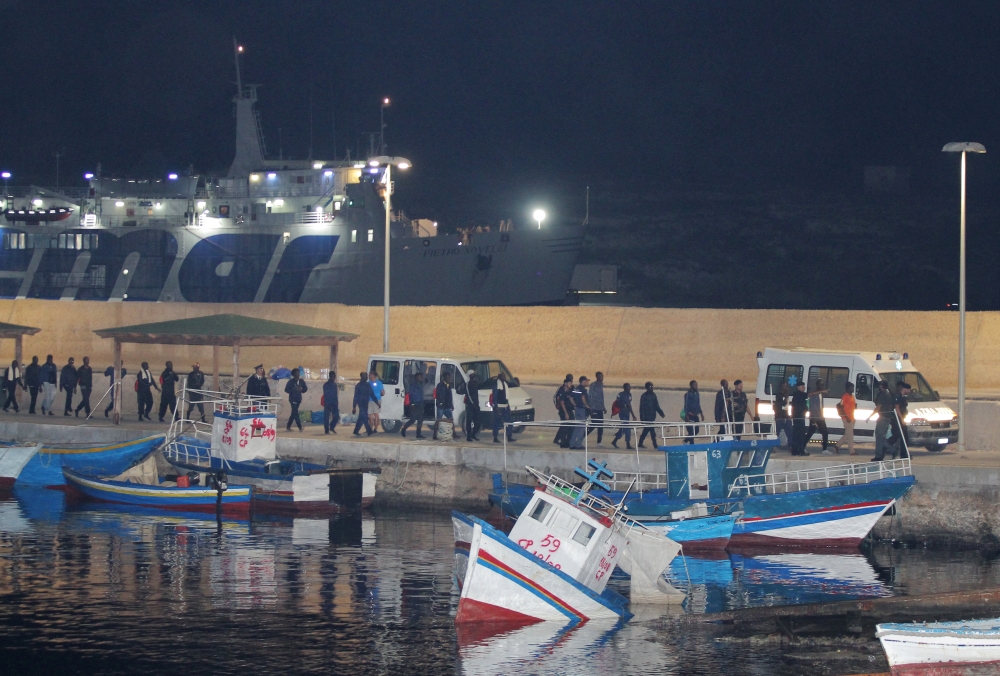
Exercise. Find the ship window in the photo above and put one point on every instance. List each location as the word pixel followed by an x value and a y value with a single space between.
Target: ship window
pixel 746 459
pixel 371 235
pixel 86 241
pixel 759 459
pixel 734 460
pixel 62 240
pixel 563 523
pixel 584 533
pixel 6 240
pixel 93 242
pixel 79 242
pixel 541 511
pixel 354 236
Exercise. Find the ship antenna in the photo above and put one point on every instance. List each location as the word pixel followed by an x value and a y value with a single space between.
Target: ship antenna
pixel 236 56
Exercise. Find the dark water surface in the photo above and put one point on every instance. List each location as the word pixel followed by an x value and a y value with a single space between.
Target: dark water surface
pixel 96 590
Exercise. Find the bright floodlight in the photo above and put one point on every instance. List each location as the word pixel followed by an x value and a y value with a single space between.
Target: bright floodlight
pixel 964 147
pixel 88 176
pixel 385 102
pixel 539 215
pixel 403 165
pixel 5 175
pixel 240 48
pixel 398 162
pixel 172 177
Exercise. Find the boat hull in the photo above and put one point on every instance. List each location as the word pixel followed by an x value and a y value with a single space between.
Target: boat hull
pixel 12 462
pixel 940 648
pixel 235 499
pixel 504 583
pixel 44 468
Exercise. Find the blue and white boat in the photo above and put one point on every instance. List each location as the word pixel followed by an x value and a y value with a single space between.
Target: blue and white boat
pixel 942 648
pixel 827 506
pixel 42 466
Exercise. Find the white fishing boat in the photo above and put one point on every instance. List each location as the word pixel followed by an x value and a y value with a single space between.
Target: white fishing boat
pixel 942 648
pixel 557 560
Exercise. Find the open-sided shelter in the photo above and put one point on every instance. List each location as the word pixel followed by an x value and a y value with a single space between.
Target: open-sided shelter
pixel 225 330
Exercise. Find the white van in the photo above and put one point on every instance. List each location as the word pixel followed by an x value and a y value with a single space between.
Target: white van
pixel 397 370
pixel 929 422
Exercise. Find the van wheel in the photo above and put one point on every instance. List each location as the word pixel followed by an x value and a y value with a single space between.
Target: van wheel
pixel 517 429
pixel 935 448
pixel 391 426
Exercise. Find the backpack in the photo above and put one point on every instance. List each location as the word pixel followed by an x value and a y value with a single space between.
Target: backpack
pixel 616 407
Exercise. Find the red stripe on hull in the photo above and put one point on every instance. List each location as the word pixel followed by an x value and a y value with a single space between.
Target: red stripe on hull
pixel 7 481
pixel 831 510
pixel 764 542
pixel 471 611
pixel 948 669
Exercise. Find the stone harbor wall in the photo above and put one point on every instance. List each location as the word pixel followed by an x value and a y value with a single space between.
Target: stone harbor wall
pixel 539 344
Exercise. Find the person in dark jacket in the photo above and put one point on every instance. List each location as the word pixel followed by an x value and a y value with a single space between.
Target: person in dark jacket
pixel 331 403
pixel 740 408
pixel 692 411
pixel 800 404
pixel 416 392
pixel 195 382
pixel 257 383
pixel 110 374
pixel 33 381
pixel 626 413
pixel 563 400
pixel 144 385
pixel 294 389
pixel 11 379
pixel 85 379
pixel 501 408
pixel 49 376
pixel 67 383
pixel 168 398
pixel 362 395
pixel 723 406
pixel 444 400
pixel 649 406
pixel 472 409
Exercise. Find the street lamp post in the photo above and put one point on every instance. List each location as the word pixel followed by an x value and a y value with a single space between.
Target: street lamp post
pixel 381 129
pixel 538 215
pixel 962 148
pixel 6 190
pixel 388 163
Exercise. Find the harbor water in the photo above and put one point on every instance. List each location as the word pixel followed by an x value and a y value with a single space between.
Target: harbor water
pixel 96 590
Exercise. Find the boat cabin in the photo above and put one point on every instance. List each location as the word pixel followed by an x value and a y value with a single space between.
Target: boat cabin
pixel 707 471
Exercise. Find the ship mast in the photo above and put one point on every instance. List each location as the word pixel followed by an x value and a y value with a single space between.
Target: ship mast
pixel 249 139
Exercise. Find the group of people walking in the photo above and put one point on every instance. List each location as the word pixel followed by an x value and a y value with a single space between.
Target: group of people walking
pixel 46 379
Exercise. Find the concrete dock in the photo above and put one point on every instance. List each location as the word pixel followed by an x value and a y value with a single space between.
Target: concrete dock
pixel 956 501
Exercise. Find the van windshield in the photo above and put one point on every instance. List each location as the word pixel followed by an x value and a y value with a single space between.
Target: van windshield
pixel 920 389
pixel 488 372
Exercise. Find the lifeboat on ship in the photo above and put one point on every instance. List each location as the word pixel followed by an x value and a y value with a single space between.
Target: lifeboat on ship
pixel 35 216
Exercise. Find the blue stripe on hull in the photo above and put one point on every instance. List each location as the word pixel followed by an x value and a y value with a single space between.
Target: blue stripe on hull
pixel 697 529
pixel 823 516
pixel 46 468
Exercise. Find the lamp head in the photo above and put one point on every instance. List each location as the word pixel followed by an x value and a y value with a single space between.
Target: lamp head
pixel 538 215
pixel 964 147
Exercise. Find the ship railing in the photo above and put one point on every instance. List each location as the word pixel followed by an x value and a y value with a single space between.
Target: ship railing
pixel 587 501
pixel 819 477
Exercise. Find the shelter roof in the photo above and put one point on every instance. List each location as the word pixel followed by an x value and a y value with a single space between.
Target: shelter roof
pixel 15 330
pixel 225 329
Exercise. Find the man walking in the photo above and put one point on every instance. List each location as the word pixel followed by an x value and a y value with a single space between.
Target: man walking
pixel 195 382
pixel 692 411
pixel 294 389
pixel 144 384
pixel 649 406
pixel 581 409
pixel 85 379
pixel 48 375
pixel 11 379
pixel 563 400
pixel 900 405
pixel 723 406
pixel 331 403
pixel 168 396
pixel 501 408
pixel 817 420
pixel 416 394
pixel 848 404
pixel 257 383
pixel 626 413
pixel 740 406
pixel 362 395
pixel 67 383
pixel 33 380
pixel 885 407
pixel 378 391
pixel 596 398
pixel 445 402
pixel 110 373
pixel 800 403
pixel 472 409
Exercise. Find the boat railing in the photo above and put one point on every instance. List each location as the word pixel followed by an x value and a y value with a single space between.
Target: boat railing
pixel 819 477
pixel 229 404
pixel 587 501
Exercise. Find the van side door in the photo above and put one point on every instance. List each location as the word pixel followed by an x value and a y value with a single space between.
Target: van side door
pixel 835 372
pixel 389 371
pixel 865 389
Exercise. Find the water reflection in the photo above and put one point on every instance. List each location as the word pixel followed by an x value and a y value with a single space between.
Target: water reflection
pixel 93 588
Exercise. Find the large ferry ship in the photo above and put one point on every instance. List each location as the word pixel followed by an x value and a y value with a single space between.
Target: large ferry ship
pixel 307 231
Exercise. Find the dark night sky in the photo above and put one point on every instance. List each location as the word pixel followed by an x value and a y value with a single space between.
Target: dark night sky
pixel 504 105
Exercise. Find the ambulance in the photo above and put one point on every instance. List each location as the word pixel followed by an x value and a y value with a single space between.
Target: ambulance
pixel 930 423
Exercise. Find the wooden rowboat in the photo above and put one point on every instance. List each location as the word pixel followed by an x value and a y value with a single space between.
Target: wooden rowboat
pixel 229 500
pixel 939 648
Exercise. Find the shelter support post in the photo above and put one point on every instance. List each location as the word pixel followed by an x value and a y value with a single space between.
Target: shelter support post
pixel 116 393
pixel 215 368
pixel 18 355
pixel 236 362
pixel 334 352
